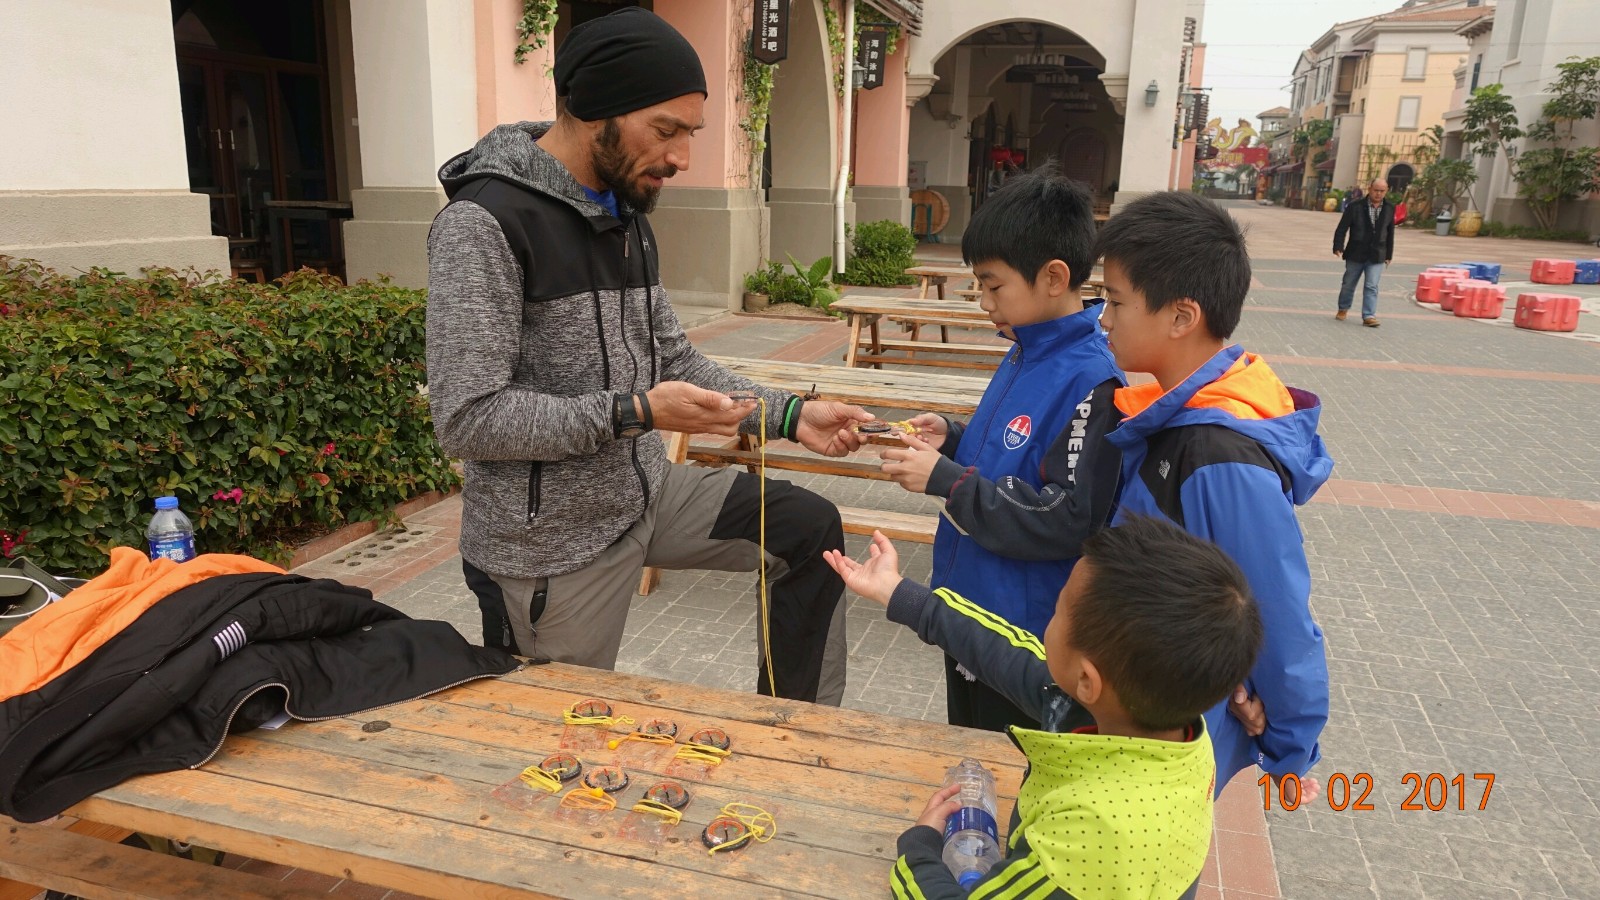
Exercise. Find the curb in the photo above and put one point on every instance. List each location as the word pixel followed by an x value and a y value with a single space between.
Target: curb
pixel 349 534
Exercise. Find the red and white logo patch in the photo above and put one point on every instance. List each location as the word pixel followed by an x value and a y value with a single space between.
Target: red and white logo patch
pixel 1018 431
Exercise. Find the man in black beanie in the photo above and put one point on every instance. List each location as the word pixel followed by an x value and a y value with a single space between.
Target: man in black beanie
pixel 555 361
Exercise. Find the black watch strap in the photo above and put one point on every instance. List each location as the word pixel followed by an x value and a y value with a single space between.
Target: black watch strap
pixel 648 418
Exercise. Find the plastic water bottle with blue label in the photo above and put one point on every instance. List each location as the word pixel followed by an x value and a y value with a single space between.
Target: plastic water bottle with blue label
pixel 972 837
pixel 170 534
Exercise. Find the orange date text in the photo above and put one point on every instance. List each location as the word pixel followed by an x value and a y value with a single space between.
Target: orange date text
pixel 1432 792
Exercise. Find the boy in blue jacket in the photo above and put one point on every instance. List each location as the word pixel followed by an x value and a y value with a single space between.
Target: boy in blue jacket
pixel 1117 801
pixel 1017 502
pixel 1220 446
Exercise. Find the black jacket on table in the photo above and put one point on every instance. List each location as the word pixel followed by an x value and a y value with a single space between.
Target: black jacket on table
pixel 1098 817
pixel 1367 242
pixel 221 655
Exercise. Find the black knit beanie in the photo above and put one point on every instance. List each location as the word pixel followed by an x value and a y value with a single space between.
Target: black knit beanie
pixel 625 61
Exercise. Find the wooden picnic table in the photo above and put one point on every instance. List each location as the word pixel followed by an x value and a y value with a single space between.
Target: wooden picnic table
pixel 424 797
pixel 872 349
pixel 951 394
pixel 936 276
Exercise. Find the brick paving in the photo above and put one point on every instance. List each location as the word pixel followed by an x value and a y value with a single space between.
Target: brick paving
pixel 1454 557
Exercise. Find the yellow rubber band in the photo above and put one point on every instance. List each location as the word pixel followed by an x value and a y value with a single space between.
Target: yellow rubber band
pixel 572 718
pixel 766 632
pixel 762 826
pixel 700 753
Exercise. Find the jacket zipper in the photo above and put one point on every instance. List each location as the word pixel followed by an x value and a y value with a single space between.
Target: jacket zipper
pixel 622 317
pixel 535 480
pixel 285 688
pixel 1016 363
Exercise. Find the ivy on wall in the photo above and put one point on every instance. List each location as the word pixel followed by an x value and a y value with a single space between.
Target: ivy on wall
pixel 757 95
pixel 867 14
pixel 538 22
pixel 836 47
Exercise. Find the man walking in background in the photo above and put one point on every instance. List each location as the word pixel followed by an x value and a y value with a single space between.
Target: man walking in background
pixel 1369 227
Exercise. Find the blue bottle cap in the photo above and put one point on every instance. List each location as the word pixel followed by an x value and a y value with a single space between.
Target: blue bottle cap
pixel 167 502
pixel 969 878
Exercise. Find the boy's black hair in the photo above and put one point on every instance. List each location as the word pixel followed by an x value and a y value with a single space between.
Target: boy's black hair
pixel 1031 220
pixel 1173 245
pixel 1167 618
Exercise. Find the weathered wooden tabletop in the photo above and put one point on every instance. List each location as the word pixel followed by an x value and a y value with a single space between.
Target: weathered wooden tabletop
pixel 955 311
pixel 919 391
pixel 424 797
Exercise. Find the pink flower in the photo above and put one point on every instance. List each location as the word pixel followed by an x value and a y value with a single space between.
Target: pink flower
pixel 220 495
pixel 327 449
pixel 235 495
pixel 10 542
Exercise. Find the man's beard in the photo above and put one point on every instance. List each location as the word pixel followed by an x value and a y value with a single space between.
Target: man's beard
pixel 615 169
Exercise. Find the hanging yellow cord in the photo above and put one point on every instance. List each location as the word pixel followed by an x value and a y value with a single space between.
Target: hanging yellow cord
pixel 766 624
pixel 540 780
pixel 702 753
pixel 657 808
pixel 641 736
pixel 588 798
pixel 762 826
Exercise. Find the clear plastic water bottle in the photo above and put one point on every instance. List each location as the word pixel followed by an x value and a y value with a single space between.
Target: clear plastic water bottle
pixel 972 836
pixel 170 534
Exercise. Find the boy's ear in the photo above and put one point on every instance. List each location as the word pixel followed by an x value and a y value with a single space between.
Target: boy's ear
pixel 1087 683
pixel 1055 278
pixel 1186 317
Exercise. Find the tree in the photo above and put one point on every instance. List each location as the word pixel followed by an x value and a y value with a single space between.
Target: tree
pixel 1439 177
pixel 1556 172
pixel 1550 171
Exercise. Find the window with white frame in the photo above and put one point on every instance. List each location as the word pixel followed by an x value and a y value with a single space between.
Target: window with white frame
pixel 1416 63
pixel 1410 110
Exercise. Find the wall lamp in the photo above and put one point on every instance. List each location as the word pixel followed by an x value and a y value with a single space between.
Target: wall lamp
pixel 1151 92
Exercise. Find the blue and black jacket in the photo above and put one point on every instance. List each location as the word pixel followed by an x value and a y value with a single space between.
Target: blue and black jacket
pixel 1227 455
pixel 1017 505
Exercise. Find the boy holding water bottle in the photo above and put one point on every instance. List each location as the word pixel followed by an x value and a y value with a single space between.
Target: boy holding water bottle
pixel 1117 801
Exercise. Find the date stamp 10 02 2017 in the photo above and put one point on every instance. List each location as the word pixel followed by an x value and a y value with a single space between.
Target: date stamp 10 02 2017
pixel 1430 792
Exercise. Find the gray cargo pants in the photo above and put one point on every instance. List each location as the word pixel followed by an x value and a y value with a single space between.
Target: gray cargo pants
pixel 702 519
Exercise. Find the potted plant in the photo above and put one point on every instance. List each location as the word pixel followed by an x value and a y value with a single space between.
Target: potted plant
pixel 758 287
pixel 1335 200
pixel 818 281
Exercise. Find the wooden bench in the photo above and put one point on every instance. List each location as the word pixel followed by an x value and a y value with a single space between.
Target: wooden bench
pixel 38 857
pixel 936 277
pixel 916 391
pixel 864 313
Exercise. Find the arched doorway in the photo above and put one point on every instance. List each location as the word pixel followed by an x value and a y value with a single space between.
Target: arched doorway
pixel 802 142
pixel 1399 177
pixel 1016 90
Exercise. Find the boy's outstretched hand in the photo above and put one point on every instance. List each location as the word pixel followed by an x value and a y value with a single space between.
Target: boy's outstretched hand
pixel 874 579
pixel 911 466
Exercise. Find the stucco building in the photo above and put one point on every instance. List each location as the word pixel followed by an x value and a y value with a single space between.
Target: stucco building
pixel 251 135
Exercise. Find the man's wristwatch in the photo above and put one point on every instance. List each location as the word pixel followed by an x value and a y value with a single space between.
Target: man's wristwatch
pixel 630 415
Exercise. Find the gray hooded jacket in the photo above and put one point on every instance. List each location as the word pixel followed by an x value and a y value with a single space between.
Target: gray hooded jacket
pixel 541 306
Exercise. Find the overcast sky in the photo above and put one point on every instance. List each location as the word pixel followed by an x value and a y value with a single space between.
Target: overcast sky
pixel 1251 46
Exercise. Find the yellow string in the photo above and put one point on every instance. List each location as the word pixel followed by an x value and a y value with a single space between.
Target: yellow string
pixel 540 780
pixel 572 718
pixel 762 826
pixel 641 736
pixel 657 808
pixel 588 798
pixel 700 753
pixel 766 625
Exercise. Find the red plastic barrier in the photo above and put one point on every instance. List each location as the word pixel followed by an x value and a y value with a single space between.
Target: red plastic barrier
pixel 1428 286
pixel 1484 301
pixel 1553 271
pixel 1448 300
pixel 1547 312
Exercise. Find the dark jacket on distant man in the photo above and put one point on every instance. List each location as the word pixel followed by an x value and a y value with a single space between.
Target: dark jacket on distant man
pixel 1369 241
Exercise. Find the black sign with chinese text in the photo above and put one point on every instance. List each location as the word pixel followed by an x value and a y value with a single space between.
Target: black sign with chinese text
pixel 769 31
pixel 874 46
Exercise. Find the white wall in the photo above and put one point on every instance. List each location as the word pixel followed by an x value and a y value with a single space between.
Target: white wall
pixel 416 87
pixel 1108 25
pixel 89 91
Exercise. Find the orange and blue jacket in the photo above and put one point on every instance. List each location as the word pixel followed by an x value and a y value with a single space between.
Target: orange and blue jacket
pixel 1227 455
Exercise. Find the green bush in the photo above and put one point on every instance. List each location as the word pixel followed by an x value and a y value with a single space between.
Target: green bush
pixel 1501 229
pixel 270 411
pixel 880 254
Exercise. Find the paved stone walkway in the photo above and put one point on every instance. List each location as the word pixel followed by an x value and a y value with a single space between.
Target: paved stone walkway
pixel 1455 564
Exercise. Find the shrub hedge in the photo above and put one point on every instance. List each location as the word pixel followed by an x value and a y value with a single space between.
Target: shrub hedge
pixel 269 410
pixel 880 254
